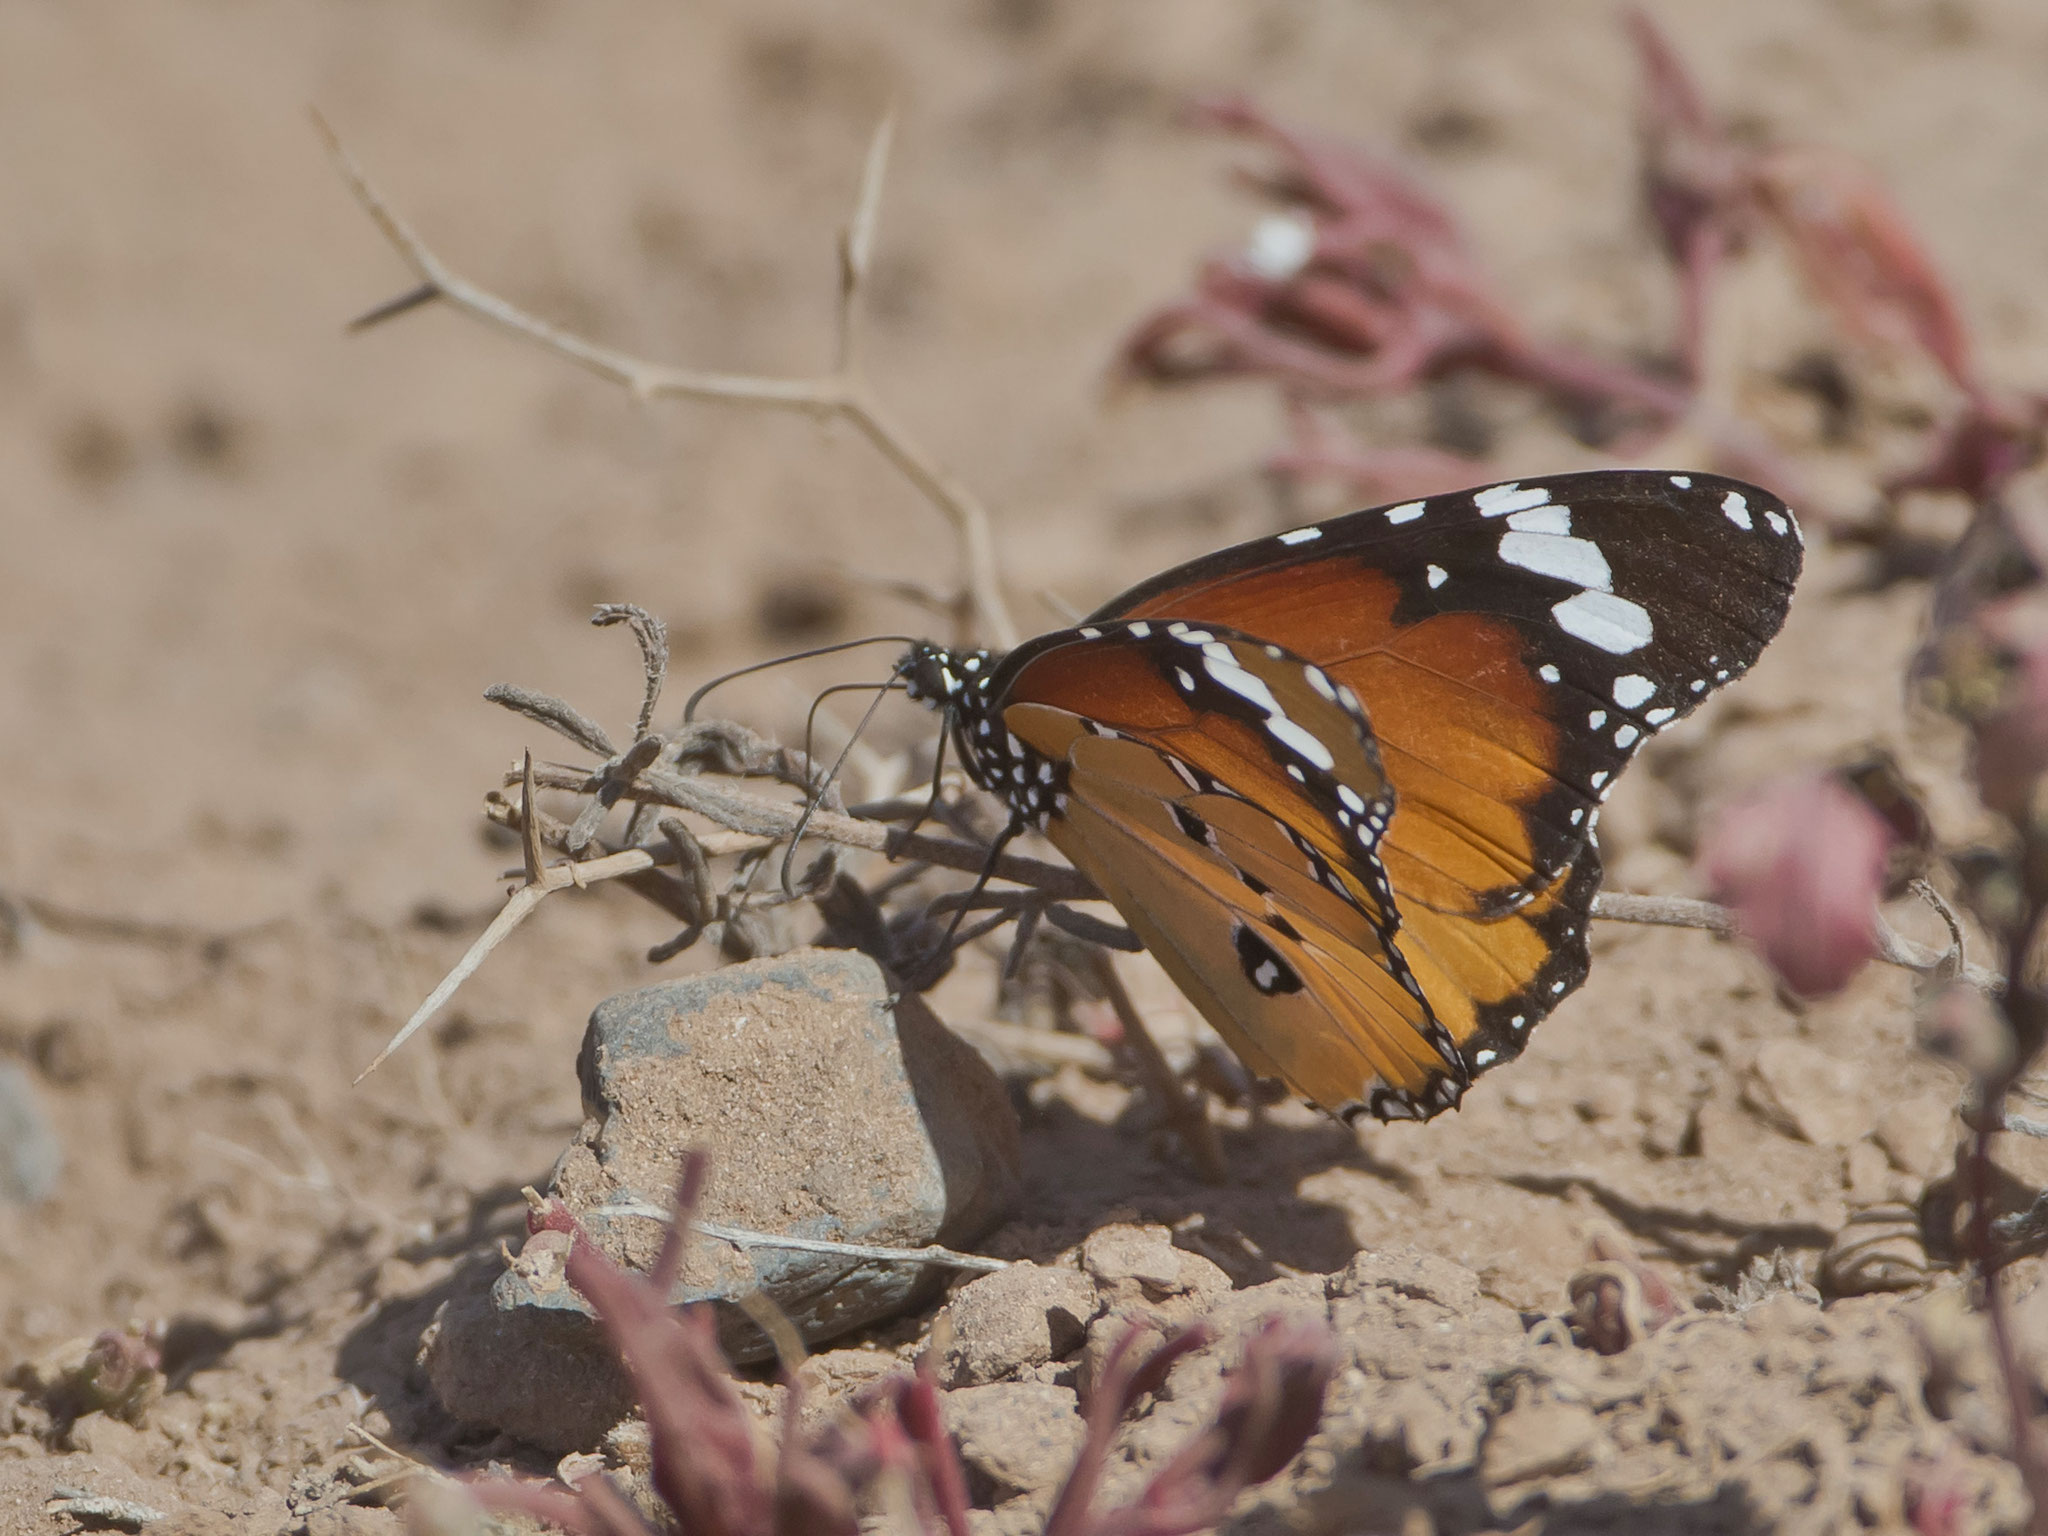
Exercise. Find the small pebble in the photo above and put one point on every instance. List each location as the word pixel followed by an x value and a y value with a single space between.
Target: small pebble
pixel 1016 1318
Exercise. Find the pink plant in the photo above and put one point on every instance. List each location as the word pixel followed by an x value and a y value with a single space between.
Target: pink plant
pixel 714 1481
pixel 1379 292
pixel 1803 865
pixel 1367 287
pixel 1855 247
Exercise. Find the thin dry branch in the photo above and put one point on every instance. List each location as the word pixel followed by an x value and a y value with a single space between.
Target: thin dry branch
pixel 844 392
pixel 756 816
pixel 746 1238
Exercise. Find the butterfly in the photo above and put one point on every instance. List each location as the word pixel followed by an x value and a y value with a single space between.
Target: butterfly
pixel 1344 782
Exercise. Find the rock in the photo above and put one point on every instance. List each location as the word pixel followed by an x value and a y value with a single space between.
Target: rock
pixel 1809 1094
pixel 1018 1317
pixel 1408 1272
pixel 1919 1134
pixel 1015 1438
pixel 353 1520
pixel 540 1374
pixel 101 1434
pixel 1134 1263
pixel 1543 1439
pixel 827 1116
pixel 30 1158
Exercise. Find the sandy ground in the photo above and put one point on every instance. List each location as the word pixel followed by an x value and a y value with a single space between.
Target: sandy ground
pixel 254 575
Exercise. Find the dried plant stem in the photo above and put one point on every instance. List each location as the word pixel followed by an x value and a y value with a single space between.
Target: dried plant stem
pixel 1185 1111
pixel 748 1237
pixel 1687 912
pixel 756 816
pixel 843 393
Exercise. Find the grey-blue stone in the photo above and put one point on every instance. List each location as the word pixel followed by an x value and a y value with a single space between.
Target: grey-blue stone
pixel 827 1114
pixel 31 1160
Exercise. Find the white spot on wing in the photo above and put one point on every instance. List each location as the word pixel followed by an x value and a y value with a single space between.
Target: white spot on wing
pixel 1305 742
pixel 1407 512
pixel 1350 797
pixel 1089 633
pixel 1548 673
pixel 1542 520
pixel 1322 684
pixel 1777 522
pixel 1596 719
pixel 1632 689
pixel 1138 630
pixel 1735 506
pixel 1614 624
pixel 1500 500
pixel 1301 536
pixel 1577 561
pixel 1683 482
pixel 1224 668
pixel 1438 576
pixel 1625 736
pixel 1660 716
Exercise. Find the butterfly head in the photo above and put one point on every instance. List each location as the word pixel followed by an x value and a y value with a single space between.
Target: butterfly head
pixel 944 678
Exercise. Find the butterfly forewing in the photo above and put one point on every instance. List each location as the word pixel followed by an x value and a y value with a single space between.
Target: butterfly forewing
pixel 1515 645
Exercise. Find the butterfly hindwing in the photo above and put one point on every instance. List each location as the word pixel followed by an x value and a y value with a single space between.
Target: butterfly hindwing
pixel 1302 979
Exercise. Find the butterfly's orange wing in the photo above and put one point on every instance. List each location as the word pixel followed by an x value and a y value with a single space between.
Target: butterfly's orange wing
pixel 1245 865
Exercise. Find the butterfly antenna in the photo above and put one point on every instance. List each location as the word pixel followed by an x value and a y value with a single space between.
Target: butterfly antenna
pixel 817 795
pixel 690 708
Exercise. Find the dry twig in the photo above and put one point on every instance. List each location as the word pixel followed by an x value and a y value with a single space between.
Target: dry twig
pixel 763 822
pixel 844 392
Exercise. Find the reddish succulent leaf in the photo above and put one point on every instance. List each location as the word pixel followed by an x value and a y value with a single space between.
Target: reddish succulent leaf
pixel 1802 863
pixel 1271 1405
pixel 1861 257
pixel 1696 178
pixel 595 1508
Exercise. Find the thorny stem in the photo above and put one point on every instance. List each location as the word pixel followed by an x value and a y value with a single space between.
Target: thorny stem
pixel 844 392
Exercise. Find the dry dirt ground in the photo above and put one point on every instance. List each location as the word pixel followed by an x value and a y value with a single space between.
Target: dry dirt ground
pixel 254 575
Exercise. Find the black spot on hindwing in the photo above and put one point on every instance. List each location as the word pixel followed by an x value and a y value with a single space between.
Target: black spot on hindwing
pixel 1263 968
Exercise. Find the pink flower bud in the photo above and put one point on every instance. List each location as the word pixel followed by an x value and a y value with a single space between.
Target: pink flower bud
pixel 1802 863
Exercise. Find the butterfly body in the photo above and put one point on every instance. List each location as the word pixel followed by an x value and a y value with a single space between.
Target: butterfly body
pixel 1344 781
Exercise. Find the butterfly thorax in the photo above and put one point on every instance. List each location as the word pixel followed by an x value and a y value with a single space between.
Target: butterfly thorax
pixel 961 685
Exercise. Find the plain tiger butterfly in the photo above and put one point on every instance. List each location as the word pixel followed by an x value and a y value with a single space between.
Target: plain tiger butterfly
pixel 1344 781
